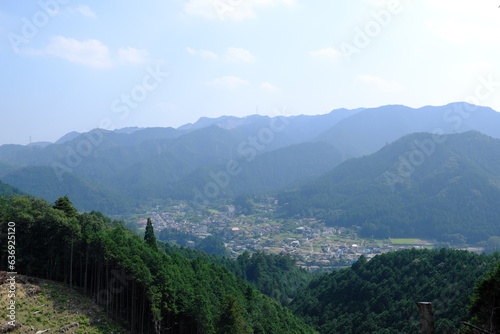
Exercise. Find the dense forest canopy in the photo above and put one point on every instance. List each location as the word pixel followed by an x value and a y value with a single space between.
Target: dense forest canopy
pixel 452 188
pixel 155 287
pixel 153 291
pixel 379 296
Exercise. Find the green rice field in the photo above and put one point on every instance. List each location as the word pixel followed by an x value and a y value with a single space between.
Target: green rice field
pixel 408 241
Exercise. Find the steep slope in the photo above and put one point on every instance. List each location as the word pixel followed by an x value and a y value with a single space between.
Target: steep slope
pixel 370 129
pixel 417 186
pixel 47 305
pixel 4 169
pixel 140 165
pixel 137 283
pixel 271 171
pixel 68 137
pixel 87 196
pixel 8 190
pixel 379 296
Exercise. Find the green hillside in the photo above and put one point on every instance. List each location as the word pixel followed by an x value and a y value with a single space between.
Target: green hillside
pixel 157 164
pixel 402 191
pixel 87 195
pixel 270 171
pixel 379 296
pixel 152 291
pixel 8 190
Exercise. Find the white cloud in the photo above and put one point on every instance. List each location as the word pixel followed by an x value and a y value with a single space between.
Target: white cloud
pixel 231 82
pixel 380 83
pixel 327 53
pixel 239 55
pixel 202 53
pixel 270 88
pixel 132 55
pixel 90 52
pixel 464 32
pixel 86 11
pixel 230 9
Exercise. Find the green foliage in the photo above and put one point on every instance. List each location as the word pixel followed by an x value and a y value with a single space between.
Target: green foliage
pixel 86 194
pixel 65 205
pixel 485 303
pixel 212 245
pixel 7 190
pixel 450 195
pixel 150 290
pixel 379 296
pixel 174 236
pixel 492 244
pixel 244 205
pixel 232 320
pixel 127 170
pixel 276 276
pixel 149 235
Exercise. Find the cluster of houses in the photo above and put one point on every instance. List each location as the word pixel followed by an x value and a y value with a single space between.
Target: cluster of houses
pixel 314 245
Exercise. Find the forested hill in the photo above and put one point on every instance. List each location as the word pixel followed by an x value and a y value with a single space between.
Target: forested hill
pixel 379 296
pixel 153 291
pixel 118 171
pixel 421 186
pixel 276 276
pixel 7 190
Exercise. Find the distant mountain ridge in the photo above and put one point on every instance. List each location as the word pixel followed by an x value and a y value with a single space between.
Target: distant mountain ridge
pixel 368 131
pixel 140 165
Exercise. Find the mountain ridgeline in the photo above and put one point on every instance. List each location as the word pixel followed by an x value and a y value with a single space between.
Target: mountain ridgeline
pixel 365 167
pixel 117 171
pixel 422 185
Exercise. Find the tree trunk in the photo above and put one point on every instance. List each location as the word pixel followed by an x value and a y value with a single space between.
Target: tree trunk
pixel 426 318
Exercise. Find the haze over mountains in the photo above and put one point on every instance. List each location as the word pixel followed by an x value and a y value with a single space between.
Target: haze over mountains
pixel 448 189
pixel 116 171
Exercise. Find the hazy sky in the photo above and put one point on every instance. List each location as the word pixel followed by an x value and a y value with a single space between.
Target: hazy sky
pixel 76 65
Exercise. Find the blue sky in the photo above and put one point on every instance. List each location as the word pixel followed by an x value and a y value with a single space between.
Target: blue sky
pixel 77 65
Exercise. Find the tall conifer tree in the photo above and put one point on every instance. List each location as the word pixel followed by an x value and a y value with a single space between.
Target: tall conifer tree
pixel 149 235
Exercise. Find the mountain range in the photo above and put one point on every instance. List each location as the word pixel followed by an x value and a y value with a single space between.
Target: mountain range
pixel 117 171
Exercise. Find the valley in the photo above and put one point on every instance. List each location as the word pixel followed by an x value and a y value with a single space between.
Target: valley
pixel 315 245
pixel 250 167
pixel 227 224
